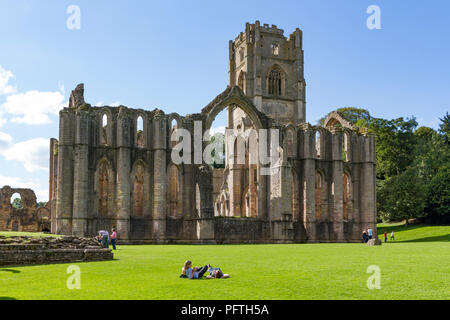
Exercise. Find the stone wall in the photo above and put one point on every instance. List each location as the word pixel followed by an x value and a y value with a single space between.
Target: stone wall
pixel 107 171
pixel 29 251
pixel 28 218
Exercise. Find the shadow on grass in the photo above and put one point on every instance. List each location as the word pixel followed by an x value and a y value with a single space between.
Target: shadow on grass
pixel 445 237
pixel 402 228
pixel 10 270
pixel 7 298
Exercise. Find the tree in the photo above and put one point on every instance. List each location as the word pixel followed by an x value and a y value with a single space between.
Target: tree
pixel 17 203
pixel 395 145
pixel 403 197
pixel 41 204
pixel 444 128
pixel 438 193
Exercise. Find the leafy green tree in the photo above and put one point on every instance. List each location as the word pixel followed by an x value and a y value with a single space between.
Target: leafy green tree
pixel 395 145
pixel 41 204
pixel 403 197
pixel 431 153
pixel 438 193
pixel 444 128
pixel 17 203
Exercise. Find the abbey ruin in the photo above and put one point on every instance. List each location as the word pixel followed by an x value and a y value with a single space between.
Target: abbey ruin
pixel 106 171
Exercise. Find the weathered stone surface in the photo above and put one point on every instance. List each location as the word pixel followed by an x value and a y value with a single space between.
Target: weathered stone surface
pixel 107 171
pixel 28 251
pixel 29 218
pixel 374 242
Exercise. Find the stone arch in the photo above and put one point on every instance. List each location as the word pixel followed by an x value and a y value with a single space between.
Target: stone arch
pixel 105 187
pixel 335 120
pixel 346 195
pixel 319 142
pixel 233 96
pixel 12 199
pixel 174 190
pixel 140 195
pixel 140 136
pixel 245 202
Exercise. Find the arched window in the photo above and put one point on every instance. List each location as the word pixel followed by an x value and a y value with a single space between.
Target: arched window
pixel 318 195
pixel 103 133
pixel 174 194
pixel 16 201
pixel 318 144
pixel 345 147
pixel 140 132
pixel 346 196
pixel 275 82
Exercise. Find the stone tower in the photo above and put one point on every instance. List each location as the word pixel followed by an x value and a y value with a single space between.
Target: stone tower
pixel 269 69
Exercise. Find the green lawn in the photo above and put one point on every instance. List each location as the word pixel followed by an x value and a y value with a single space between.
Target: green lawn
pixel 28 234
pixel 414 267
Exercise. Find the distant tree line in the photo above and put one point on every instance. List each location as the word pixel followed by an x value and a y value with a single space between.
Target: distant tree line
pixel 17 203
pixel 413 166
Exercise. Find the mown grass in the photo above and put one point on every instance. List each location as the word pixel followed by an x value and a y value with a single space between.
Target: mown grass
pixel 409 270
pixel 9 234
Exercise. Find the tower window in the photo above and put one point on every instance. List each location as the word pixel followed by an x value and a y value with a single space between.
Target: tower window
pixel 275 49
pixel 275 83
pixel 241 55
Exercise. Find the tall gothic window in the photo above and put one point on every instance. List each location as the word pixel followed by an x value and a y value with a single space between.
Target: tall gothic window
pixel 138 190
pixel 275 82
pixel 318 195
pixel 103 189
pixel 345 195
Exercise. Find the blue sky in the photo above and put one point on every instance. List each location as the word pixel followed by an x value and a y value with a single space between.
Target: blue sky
pixel 174 55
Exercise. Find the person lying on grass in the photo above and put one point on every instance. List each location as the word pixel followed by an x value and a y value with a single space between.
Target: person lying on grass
pixel 192 273
pixel 216 273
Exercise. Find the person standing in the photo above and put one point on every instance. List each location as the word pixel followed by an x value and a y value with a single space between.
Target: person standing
pixel 113 238
pixel 365 238
pixel 370 233
pixel 392 235
pixel 105 238
pixel 385 236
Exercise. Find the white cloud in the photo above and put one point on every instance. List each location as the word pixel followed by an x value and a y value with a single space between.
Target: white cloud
pixel 115 104
pixel 2 120
pixel 5 76
pixel 33 154
pixel 219 129
pixel 5 140
pixel 33 107
pixel 15 182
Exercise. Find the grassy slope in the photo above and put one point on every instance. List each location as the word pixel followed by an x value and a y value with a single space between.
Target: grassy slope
pixel 409 270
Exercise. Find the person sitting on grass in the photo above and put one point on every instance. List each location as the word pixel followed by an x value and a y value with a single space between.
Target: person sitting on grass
pixel 216 273
pixel 192 273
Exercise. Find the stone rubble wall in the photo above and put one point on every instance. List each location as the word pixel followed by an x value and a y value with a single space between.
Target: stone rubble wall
pixel 29 251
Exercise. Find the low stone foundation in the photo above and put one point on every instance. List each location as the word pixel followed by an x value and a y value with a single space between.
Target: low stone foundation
pixel 30 251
